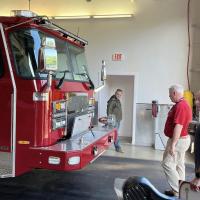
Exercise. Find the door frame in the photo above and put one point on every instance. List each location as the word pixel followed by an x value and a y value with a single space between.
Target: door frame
pixel 134 75
pixel 13 101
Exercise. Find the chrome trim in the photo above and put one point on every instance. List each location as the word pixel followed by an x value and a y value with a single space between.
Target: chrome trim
pixel 40 96
pixel 78 94
pixel 58 115
pixel 68 33
pixel 97 156
pixel 25 22
pixel 73 144
pixel 66 116
pixel 13 122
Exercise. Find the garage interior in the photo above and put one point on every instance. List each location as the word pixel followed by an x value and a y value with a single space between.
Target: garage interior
pixel 148 45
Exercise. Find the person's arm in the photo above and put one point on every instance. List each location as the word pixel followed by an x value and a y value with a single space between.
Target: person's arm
pixel 110 108
pixel 195 183
pixel 176 135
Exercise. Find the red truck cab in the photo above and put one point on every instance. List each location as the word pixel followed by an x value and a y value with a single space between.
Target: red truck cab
pixel 47 102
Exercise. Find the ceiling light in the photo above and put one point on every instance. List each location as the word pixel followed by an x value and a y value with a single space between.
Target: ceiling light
pixel 92 16
pixel 113 16
pixel 72 17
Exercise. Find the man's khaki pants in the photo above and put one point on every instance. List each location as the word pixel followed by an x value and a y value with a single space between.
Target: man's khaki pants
pixel 174 166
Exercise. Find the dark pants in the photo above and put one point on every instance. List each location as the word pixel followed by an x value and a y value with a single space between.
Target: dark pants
pixel 117 142
pixel 197 148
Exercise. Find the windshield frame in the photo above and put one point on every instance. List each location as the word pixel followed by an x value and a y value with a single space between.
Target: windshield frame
pixel 53 34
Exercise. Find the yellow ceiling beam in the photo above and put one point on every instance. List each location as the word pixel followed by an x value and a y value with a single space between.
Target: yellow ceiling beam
pixel 69 7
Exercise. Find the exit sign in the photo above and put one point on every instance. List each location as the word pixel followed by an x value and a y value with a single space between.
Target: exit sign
pixel 117 57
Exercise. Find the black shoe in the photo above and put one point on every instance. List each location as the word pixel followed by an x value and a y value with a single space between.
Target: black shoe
pixel 171 193
pixel 119 150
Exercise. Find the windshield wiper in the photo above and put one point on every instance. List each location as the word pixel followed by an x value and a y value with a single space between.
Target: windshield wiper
pixel 63 78
pixel 90 81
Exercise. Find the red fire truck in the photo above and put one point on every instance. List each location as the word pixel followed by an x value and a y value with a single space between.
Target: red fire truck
pixel 47 99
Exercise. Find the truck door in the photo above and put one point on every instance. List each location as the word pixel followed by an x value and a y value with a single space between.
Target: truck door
pixel 6 91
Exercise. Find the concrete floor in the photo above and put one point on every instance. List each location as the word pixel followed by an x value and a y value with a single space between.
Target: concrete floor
pixel 141 152
pixel 149 154
pixel 90 181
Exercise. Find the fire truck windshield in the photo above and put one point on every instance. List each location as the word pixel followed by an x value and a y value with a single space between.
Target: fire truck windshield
pixel 26 44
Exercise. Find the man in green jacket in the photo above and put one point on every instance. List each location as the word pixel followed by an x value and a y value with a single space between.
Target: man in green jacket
pixel 114 108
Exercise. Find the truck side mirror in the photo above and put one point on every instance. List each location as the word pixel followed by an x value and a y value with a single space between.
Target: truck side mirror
pixel 103 71
pixel 48 56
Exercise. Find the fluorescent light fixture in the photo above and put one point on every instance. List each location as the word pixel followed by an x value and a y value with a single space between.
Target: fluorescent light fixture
pixel 72 17
pixel 113 16
pixel 92 16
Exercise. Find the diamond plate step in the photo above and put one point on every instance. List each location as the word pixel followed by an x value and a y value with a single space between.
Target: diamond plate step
pixel 5 165
pixel 5 172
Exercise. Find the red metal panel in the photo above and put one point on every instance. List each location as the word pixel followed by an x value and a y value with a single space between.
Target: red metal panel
pixel 5 115
pixel 6 91
pixel 100 145
pixel 38 158
pixel 34 120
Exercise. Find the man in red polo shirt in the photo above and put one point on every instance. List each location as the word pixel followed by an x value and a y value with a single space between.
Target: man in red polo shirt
pixel 178 143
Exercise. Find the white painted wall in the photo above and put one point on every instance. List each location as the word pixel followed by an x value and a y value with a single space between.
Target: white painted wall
pixel 154 43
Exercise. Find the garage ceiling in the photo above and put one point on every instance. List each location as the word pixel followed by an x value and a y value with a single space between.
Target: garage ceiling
pixel 69 7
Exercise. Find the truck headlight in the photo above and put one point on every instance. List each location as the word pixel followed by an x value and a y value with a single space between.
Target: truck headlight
pixel 54 160
pixel 75 160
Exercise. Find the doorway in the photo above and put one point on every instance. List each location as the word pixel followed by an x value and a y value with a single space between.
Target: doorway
pixel 127 83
